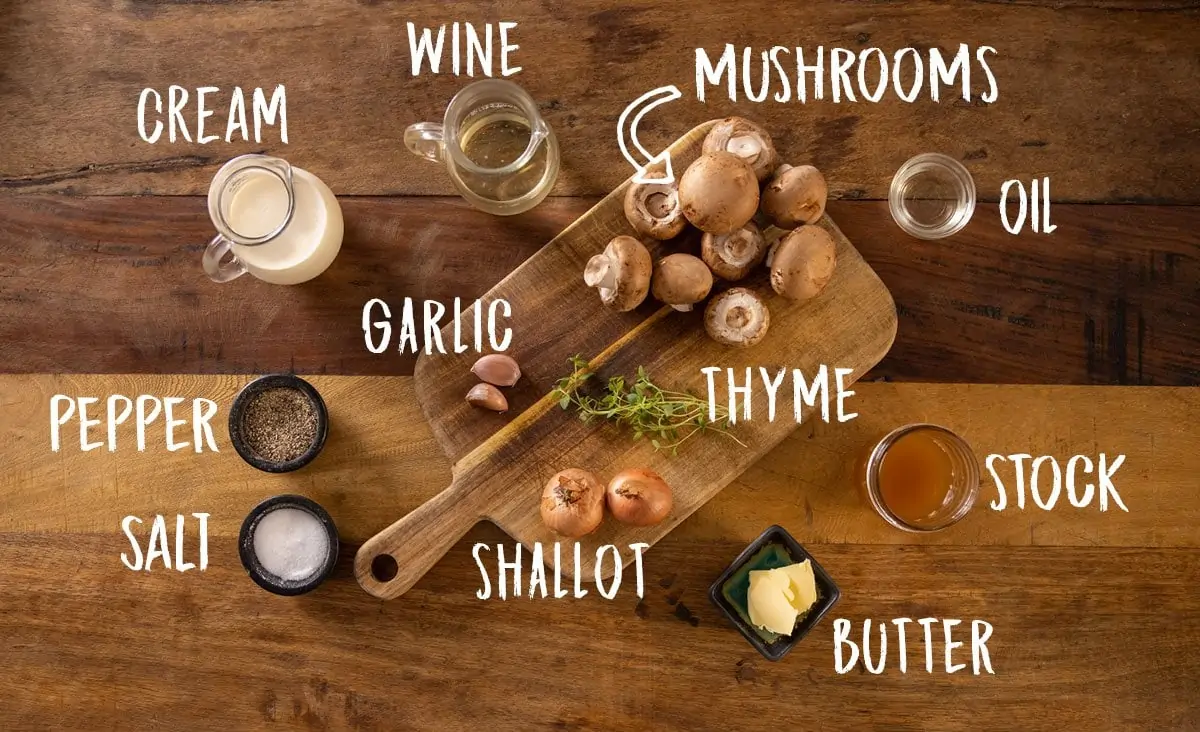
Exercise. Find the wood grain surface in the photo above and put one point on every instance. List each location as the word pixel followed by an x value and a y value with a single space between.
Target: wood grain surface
pixel 115 285
pixel 1095 614
pixel 1063 590
pixel 1084 638
pixel 381 461
pixel 850 325
pixel 1102 97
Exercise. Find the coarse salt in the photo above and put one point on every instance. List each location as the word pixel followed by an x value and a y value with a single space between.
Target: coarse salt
pixel 291 544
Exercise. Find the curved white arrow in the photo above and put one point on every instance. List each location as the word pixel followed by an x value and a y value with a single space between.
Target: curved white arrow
pixel 650 99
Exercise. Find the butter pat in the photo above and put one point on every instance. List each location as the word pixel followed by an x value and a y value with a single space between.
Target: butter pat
pixel 778 596
pixel 802 584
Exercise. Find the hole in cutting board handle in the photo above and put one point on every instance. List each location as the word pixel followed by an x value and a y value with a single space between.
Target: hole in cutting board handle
pixel 384 568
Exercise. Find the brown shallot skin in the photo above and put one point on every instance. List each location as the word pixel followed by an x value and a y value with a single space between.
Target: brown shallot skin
pixel 639 497
pixel 573 503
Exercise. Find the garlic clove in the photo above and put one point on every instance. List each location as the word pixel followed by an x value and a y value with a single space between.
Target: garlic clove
pixel 486 396
pixel 497 369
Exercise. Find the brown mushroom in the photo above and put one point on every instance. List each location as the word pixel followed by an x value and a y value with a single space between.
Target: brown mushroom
pixel 621 273
pixel 737 317
pixel 653 210
pixel 802 263
pixel 732 256
pixel 681 280
pixel 718 192
pixel 745 139
pixel 794 196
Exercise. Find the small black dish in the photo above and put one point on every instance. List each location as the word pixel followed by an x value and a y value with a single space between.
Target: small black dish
pixel 258 386
pixel 775 547
pixel 261 576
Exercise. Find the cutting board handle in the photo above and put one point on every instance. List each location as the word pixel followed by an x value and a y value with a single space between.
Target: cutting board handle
pixel 394 560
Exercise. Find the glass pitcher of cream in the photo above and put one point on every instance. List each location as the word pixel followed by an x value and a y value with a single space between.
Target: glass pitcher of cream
pixel 273 220
pixel 501 155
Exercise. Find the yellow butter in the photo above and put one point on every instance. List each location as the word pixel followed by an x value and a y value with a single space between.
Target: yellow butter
pixel 778 596
pixel 768 601
pixel 802 584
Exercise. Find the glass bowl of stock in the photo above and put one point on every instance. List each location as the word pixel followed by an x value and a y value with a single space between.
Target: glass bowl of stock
pixel 921 478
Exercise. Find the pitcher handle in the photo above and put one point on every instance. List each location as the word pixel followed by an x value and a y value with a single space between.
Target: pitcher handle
pixel 219 249
pixel 426 140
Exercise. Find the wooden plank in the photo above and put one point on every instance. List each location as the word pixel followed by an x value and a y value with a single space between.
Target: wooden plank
pixel 381 462
pixel 499 460
pixel 1090 79
pixel 1082 638
pixel 1108 298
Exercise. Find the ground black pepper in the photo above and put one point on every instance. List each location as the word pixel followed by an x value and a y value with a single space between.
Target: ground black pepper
pixel 279 424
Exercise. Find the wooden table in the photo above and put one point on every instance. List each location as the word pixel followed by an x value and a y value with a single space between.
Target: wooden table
pixel 1096 616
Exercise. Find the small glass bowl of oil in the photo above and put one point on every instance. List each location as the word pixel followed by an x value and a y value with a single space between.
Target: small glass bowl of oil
pixel 922 477
pixel 932 196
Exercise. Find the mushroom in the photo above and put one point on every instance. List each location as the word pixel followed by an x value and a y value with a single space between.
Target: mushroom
pixel 653 209
pixel 737 317
pixel 621 273
pixel 681 280
pixel 718 192
pixel 802 263
pixel 745 139
pixel 732 256
pixel 795 196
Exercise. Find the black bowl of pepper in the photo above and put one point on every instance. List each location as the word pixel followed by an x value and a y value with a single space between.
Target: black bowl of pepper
pixel 278 423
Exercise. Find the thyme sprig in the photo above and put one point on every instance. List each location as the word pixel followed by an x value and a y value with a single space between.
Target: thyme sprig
pixel 668 418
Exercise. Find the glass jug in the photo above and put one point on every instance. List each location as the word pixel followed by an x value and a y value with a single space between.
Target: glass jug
pixel 501 155
pixel 278 222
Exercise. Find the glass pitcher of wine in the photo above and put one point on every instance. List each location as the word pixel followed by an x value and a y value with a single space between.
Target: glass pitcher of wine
pixel 500 153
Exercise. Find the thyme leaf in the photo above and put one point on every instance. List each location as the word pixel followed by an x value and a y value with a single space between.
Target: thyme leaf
pixel 669 418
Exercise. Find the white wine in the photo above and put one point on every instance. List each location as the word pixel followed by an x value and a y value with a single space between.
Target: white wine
pixel 495 137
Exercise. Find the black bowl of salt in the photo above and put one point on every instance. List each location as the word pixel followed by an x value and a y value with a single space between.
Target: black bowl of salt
pixel 288 544
pixel 278 423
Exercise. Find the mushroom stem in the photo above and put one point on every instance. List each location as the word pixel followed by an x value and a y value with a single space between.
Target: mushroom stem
pixel 600 272
pixel 683 308
pixel 745 146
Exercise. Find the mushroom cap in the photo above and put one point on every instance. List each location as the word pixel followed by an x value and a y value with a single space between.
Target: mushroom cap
pixel 803 263
pixel 732 256
pixel 621 273
pixel 737 317
pixel 653 210
pixel 681 279
pixel 794 196
pixel 745 139
pixel 718 192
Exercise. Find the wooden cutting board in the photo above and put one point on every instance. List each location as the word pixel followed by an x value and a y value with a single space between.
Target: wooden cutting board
pixel 502 461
